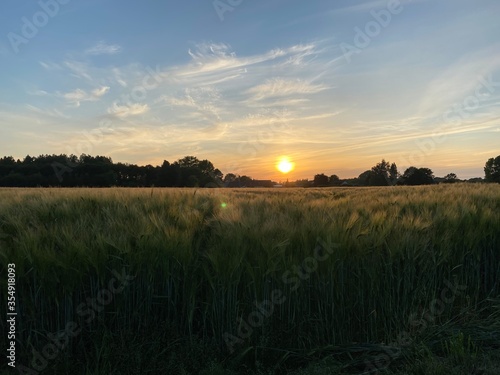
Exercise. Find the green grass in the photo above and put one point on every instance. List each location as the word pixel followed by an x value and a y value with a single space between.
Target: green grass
pixel 202 259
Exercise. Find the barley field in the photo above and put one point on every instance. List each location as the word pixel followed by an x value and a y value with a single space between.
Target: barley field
pixel 226 281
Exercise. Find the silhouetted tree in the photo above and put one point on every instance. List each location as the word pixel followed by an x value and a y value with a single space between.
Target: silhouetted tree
pixel 364 178
pixel 165 176
pixel 334 180
pixel 231 180
pixel 320 180
pixel 383 174
pixel 245 181
pixel 380 174
pixel 100 171
pixel 393 174
pixel 492 170
pixel 188 162
pixel 450 178
pixel 417 176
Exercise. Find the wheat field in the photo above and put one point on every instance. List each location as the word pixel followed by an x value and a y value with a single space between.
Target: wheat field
pixel 277 277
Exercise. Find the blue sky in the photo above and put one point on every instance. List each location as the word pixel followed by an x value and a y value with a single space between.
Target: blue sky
pixel 333 85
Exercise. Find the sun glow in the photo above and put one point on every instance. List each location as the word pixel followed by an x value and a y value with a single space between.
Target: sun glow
pixel 284 165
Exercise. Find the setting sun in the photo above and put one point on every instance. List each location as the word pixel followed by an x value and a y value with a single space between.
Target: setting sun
pixel 284 165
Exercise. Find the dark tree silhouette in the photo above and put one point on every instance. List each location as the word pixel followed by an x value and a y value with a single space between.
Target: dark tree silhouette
pixel 320 180
pixel 334 180
pixel 364 178
pixel 100 171
pixel 393 174
pixel 383 174
pixel 230 179
pixel 417 176
pixel 450 178
pixel 245 181
pixel 492 170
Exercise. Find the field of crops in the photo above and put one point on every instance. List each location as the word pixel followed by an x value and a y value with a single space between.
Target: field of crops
pixel 262 280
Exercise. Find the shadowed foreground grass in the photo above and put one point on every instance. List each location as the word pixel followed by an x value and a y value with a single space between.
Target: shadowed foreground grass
pixel 303 281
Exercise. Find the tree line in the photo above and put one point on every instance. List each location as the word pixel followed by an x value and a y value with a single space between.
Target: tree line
pixel 387 174
pixel 101 171
pixel 384 174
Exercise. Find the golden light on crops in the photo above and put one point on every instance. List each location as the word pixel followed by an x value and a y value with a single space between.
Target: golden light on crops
pixel 284 165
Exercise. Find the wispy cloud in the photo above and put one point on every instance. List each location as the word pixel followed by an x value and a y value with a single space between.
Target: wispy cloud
pixel 49 65
pixel 279 87
pixel 203 105
pixel 77 96
pixel 97 93
pixel 118 75
pixel 38 93
pixel 460 80
pixel 47 112
pixel 78 69
pixel 123 111
pixel 217 62
pixel 301 54
pixel 102 48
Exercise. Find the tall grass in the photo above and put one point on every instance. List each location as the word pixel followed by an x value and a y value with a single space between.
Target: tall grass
pixel 200 266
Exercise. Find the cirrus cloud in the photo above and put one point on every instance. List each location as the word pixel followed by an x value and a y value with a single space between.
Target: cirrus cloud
pixel 279 87
pixel 102 48
pixel 77 96
pixel 123 111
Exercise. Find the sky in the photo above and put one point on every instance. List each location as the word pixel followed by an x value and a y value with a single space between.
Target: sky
pixel 335 86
